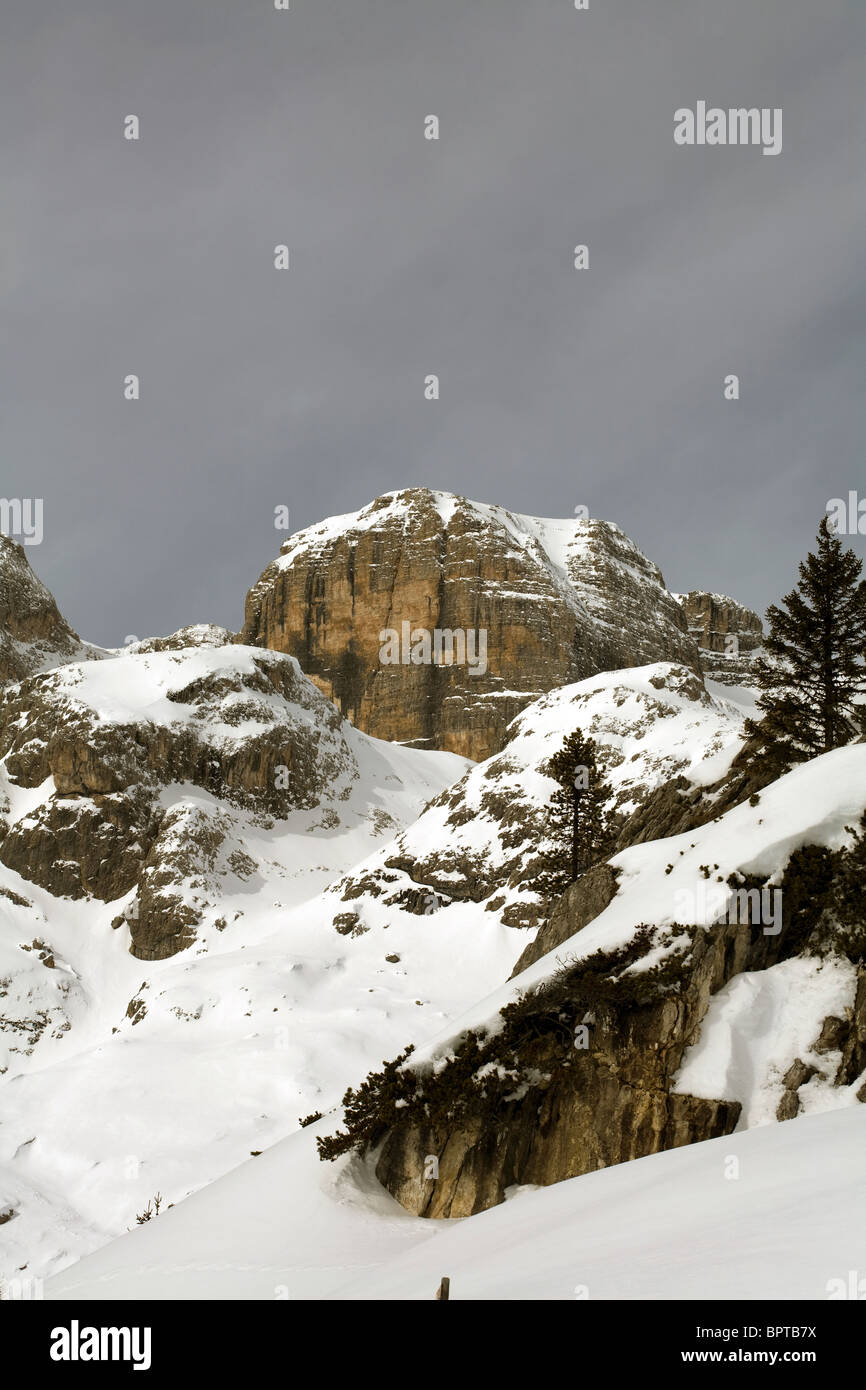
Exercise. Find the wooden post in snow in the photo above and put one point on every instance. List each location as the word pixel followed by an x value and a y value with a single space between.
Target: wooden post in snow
pixel 443 1291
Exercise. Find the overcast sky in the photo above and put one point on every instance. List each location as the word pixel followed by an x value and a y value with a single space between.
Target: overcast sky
pixel 304 388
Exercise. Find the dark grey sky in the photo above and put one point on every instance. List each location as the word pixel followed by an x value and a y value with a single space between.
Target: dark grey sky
pixel 305 388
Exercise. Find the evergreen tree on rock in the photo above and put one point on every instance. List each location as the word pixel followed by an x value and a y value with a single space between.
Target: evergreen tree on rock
pixel 579 826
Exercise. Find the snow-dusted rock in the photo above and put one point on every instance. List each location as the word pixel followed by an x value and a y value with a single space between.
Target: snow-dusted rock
pixel 481 840
pixel 34 636
pixel 99 746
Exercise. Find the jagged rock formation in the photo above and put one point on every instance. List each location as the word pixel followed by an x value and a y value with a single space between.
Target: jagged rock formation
pixel 33 634
pixel 558 601
pixel 728 635
pixel 111 735
pixel 195 635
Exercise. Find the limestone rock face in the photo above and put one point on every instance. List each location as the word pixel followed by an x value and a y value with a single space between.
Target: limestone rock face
pixel 729 636
pixel 556 600
pixel 33 634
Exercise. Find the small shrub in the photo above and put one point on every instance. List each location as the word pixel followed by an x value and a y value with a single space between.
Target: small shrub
pixel 151 1210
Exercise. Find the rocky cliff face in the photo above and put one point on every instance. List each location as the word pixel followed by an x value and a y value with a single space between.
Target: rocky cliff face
pixel 555 600
pixel 728 635
pixel 33 634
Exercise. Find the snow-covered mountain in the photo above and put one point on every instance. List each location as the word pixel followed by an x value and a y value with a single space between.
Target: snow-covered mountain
pixel 288 969
pixel 301 977
pixel 222 903
pixel 142 778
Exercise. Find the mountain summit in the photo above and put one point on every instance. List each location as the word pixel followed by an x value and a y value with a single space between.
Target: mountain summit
pixel 549 602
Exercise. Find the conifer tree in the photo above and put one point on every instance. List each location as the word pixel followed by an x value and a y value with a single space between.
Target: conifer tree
pixel 817 649
pixel 579 825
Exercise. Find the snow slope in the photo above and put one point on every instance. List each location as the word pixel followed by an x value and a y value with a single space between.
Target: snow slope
pixel 651 724
pixel 663 882
pixel 763 1214
pixel 162 1075
pixel 761 1022
pixel 118 1076
pixel 175 1071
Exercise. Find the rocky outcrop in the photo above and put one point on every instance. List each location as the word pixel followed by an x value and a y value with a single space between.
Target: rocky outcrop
pixel 245 727
pixel 580 1109
pixel 585 900
pixel 728 635
pixel 33 634
pixel 225 724
pixel 556 601
pixel 679 805
pixel 482 840
pixel 191 864
pixel 841 1048
pixel 584 1072
pixel 158 775
pixel 195 635
pixel 582 1061
pixel 850 1035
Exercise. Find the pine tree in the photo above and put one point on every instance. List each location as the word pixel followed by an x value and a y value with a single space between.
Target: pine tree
pixel 579 825
pixel 817 646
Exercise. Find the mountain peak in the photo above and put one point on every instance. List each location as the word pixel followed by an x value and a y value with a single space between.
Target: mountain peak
pixel 359 600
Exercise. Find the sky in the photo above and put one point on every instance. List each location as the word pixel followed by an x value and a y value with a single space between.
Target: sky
pixel 304 388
